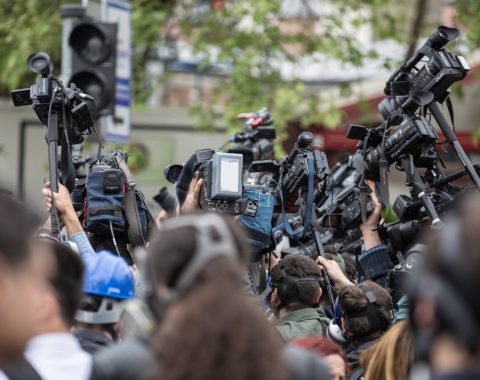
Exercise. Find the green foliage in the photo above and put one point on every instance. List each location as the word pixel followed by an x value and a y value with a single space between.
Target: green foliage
pixel 246 33
pixel 25 27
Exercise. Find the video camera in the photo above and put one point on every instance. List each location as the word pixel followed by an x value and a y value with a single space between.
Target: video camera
pixel 222 176
pixel 255 141
pixel 65 115
pixel 433 68
pixel 340 209
pixel 47 96
pixel 415 136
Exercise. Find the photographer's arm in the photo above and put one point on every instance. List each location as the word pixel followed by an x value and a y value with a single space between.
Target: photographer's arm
pixel 334 273
pixel 67 213
pixel 374 259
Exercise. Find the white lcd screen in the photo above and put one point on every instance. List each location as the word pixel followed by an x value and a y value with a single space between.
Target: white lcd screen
pixel 229 174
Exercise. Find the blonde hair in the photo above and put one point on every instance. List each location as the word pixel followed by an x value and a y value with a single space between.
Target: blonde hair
pixel 391 357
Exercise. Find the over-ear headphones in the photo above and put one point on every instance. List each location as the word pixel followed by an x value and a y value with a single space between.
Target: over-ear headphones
pixel 207 248
pixel 287 286
pixel 334 329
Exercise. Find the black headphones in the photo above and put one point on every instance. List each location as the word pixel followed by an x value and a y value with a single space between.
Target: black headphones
pixel 371 312
pixel 287 286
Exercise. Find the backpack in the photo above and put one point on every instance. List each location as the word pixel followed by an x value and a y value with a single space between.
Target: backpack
pixel 112 204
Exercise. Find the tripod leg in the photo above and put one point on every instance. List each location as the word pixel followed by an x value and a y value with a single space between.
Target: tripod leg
pixel 452 139
pixel 419 190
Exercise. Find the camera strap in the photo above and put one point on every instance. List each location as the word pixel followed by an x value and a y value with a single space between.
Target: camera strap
pixel 308 211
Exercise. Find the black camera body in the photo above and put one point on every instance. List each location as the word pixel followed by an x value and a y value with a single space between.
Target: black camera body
pixel 47 94
pixel 255 142
pixel 415 136
pixel 340 210
pixel 439 71
pixel 296 171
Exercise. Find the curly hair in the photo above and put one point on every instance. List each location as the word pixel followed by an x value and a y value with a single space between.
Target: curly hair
pixel 215 330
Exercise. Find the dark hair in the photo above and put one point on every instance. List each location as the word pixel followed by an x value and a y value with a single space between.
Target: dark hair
pixel 17 225
pixel 217 330
pixel 353 300
pixel 324 347
pixel 102 242
pixel 350 267
pixel 67 280
pixel 299 266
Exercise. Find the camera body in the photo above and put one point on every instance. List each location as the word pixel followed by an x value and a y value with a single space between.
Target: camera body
pixel 415 136
pixel 295 171
pixel 47 94
pixel 222 174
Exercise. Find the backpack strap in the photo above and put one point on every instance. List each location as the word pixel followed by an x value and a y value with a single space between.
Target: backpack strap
pixel 357 374
pixel 20 370
pixel 134 228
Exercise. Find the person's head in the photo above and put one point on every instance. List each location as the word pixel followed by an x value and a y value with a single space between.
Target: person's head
pixel 366 310
pixel 391 356
pixel 333 354
pixel 108 282
pixel 295 284
pixel 20 281
pixel 445 308
pixel 62 270
pixel 104 242
pixel 212 329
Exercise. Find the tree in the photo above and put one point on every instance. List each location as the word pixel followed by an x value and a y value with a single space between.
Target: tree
pixel 246 33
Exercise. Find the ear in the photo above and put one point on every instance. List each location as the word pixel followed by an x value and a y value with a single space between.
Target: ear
pixel 316 300
pixel 275 298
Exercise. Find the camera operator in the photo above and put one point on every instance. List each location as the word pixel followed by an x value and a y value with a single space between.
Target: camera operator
pixel 295 298
pixel 67 215
pixel 367 311
pixel 445 307
pixel 374 260
pixel 108 284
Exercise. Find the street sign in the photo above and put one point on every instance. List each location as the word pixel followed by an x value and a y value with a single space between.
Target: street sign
pixel 116 128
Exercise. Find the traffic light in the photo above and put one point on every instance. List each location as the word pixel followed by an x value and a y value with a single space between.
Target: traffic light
pixel 94 55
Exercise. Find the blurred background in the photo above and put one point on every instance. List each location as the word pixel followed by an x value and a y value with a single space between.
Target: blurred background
pixel 185 68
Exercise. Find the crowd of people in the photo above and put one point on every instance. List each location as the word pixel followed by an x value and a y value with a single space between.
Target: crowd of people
pixel 195 304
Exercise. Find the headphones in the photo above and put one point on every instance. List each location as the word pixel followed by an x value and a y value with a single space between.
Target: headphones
pixel 451 291
pixel 287 286
pixel 371 311
pixel 206 249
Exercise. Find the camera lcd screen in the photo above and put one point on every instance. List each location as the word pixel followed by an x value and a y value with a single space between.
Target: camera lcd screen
pixel 229 174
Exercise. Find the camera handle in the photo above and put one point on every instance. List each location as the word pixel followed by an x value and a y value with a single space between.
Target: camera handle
pixel 453 140
pixel 317 237
pixel 52 142
pixel 419 190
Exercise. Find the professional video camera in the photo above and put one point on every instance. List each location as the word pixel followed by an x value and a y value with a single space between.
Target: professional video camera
pixel 65 114
pixel 432 68
pixel 255 142
pixel 340 209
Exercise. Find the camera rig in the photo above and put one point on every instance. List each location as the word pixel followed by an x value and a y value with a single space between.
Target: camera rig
pixel 64 113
